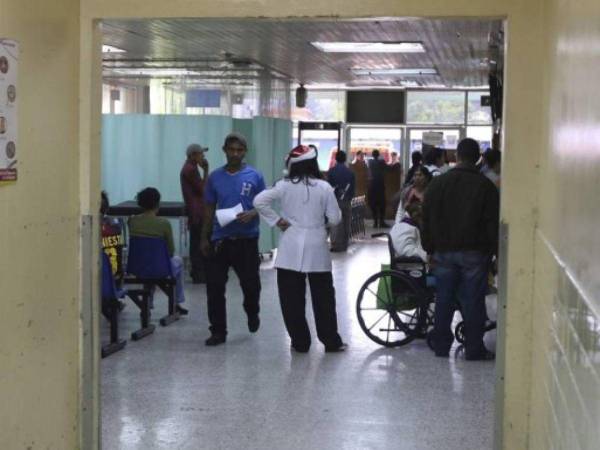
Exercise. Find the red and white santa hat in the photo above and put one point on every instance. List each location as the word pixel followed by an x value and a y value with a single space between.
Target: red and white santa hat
pixel 301 153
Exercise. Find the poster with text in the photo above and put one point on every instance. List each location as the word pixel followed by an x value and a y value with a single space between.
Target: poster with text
pixel 9 148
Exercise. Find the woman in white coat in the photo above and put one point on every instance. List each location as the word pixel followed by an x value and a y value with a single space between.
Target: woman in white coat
pixel 306 202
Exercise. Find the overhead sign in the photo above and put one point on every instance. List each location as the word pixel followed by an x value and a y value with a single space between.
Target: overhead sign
pixel 9 57
pixel 433 138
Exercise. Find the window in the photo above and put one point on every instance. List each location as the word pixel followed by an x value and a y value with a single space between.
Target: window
pixel 435 107
pixel 321 106
pixel 478 115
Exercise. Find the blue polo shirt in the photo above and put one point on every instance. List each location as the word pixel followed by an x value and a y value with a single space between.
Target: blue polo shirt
pixel 225 190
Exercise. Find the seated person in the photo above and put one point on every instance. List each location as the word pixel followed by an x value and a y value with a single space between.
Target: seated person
pixel 112 239
pixel 148 224
pixel 112 243
pixel 405 235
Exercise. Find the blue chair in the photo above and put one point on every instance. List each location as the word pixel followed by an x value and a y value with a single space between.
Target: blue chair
pixel 110 308
pixel 148 263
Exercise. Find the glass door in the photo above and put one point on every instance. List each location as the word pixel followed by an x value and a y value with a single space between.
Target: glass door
pixel 387 140
pixel 446 138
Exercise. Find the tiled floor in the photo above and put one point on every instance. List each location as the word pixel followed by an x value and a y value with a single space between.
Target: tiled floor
pixel 169 391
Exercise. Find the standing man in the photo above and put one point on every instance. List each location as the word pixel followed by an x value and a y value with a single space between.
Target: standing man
pixel 192 188
pixel 460 230
pixel 235 244
pixel 376 192
pixel 342 180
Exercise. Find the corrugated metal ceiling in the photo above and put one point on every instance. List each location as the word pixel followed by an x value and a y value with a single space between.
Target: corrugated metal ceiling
pixel 458 49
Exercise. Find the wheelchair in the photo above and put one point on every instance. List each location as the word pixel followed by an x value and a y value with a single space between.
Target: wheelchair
pixel 395 306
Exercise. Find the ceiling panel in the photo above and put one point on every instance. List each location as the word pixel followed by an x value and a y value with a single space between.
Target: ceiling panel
pixel 456 48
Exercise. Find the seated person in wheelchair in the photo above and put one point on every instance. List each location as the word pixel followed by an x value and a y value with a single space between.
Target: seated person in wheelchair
pixel 405 235
pixel 148 224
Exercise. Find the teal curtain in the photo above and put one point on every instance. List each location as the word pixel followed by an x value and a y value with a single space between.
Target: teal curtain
pixel 148 150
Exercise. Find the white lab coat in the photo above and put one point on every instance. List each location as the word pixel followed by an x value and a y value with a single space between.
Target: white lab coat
pixel 406 240
pixel 303 246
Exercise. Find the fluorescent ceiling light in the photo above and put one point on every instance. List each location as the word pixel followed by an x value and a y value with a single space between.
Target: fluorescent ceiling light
pixel 370 47
pixel 416 71
pixel 155 72
pixel 111 49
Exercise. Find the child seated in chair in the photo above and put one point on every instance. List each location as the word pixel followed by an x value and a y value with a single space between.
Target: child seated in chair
pixel 148 224
pixel 405 235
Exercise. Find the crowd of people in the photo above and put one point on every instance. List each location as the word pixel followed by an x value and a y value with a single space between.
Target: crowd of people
pixel 446 217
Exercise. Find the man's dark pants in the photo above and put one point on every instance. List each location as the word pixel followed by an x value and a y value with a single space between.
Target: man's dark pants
pixel 196 258
pixel 242 255
pixel 376 197
pixel 461 275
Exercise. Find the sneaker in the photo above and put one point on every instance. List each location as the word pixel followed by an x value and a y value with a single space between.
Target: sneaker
pixel 253 323
pixel 485 356
pixel 215 339
pixel 181 310
pixel 336 349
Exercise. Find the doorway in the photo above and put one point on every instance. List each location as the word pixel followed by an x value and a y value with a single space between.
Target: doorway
pixel 391 138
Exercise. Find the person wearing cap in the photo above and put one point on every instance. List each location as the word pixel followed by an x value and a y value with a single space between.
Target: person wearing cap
pixel 192 188
pixel 235 244
pixel 307 204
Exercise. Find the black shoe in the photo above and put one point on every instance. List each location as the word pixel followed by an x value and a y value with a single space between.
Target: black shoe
pixel 485 356
pixel 442 355
pixel 384 225
pixel 215 339
pixel 299 349
pixel 181 310
pixel 336 349
pixel 253 323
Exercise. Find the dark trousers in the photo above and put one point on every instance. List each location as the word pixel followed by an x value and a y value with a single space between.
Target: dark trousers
pixel 242 256
pixel 461 275
pixel 292 296
pixel 377 202
pixel 340 234
pixel 197 270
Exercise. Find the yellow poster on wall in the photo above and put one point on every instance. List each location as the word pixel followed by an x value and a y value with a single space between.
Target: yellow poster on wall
pixel 9 58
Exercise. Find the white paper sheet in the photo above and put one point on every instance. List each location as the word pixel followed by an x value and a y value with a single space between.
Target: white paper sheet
pixel 227 215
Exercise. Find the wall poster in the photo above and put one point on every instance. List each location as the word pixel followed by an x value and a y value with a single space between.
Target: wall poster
pixel 9 58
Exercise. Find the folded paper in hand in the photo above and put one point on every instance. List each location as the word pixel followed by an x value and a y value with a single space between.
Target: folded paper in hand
pixel 227 215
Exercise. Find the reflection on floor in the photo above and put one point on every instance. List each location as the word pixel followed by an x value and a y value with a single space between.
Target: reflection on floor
pixel 169 391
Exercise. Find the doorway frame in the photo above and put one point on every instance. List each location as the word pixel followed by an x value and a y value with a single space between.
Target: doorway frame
pixel 523 125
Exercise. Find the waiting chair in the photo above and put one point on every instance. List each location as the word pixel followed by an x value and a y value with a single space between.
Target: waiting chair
pixel 110 309
pixel 148 263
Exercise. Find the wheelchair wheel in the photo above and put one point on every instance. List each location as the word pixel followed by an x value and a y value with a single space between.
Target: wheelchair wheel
pixel 389 309
pixel 459 332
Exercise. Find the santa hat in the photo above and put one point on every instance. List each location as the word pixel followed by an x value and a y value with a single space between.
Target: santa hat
pixel 300 153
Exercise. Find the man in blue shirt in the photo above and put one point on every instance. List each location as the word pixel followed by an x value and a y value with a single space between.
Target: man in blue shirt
pixel 235 244
pixel 342 180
